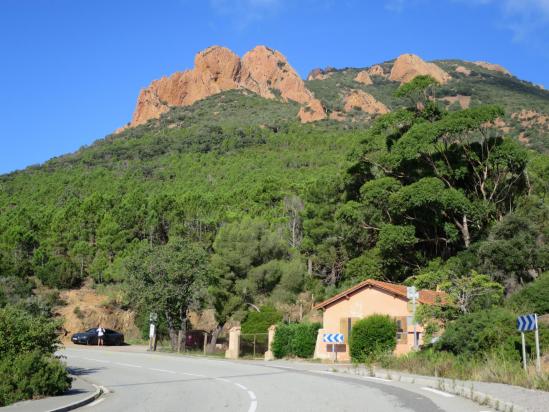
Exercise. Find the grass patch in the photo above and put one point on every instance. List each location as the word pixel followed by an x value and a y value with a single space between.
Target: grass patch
pixel 491 367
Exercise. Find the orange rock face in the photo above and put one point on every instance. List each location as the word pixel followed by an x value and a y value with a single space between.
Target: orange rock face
pixel 363 77
pixel 216 69
pixel 408 66
pixel 376 70
pixel 493 67
pixel 365 102
pixel 318 74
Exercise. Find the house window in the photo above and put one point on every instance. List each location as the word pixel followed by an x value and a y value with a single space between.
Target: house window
pixel 402 329
pixel 345 326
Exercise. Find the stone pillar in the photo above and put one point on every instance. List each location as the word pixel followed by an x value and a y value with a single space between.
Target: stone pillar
pixel 234 343
pixel 269 354
pixel 320 347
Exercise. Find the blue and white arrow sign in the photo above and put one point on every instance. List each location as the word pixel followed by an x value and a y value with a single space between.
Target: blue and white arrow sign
pixel 333 338
pixel 527 322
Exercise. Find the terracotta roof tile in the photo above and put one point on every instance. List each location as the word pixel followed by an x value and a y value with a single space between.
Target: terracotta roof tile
pixel 427 297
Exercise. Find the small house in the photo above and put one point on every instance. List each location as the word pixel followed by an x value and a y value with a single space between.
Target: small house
pixel 370 297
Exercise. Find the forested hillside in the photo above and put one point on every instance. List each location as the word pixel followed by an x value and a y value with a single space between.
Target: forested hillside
pixel 231 201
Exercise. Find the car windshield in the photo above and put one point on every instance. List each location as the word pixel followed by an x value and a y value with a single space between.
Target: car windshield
pixel 92 330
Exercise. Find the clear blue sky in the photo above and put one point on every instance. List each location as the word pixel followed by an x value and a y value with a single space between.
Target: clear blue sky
pixel 71 70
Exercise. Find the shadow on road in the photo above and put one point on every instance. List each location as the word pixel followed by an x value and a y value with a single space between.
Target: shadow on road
pixel 83 371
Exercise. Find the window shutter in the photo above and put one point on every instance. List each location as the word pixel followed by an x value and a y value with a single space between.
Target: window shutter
pixel 404 326
pixel 344 328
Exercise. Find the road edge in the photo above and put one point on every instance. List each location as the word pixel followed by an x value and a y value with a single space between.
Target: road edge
pixel 82 402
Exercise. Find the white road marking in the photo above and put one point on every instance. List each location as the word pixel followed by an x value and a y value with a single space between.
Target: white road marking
pixel 94 403
pixel 445 394
pixel 193 374
pixel 253 406
pixel 162 370
pixel 241 386
pixel 252 395
pixel 129 365
pixel 223 380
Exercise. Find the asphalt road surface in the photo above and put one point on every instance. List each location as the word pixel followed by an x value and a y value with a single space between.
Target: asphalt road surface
pixel 157 382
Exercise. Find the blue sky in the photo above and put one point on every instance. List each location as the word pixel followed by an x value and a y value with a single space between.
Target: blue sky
pixel 71 70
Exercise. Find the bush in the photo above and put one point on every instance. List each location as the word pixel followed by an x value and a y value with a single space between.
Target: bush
pixel 31 375
pixel 371 336
pixel 297 339
pixel 534 297
pixel 480 332
pixel 259 322
pixel 21 332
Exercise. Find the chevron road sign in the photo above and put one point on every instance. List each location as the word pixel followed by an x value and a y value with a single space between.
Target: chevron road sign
pixel 332 338
pixel 527 322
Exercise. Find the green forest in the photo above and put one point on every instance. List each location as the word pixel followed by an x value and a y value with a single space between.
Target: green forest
pixel 231 202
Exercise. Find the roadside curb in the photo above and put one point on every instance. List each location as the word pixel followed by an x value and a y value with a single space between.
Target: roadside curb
pixel 452 387
pixel 99 391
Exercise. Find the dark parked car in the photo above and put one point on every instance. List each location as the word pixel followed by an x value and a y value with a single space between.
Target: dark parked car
pixel 111 337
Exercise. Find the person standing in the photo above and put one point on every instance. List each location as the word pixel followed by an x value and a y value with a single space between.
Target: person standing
pixel 100 334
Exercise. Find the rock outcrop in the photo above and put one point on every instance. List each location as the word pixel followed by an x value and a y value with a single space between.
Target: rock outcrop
pixel 358 99
pixel 376 70
pixel 363 77
pixel 493 67
pixel 216 69
pixel 320 74
pixel 408 66
pixel 463 70
pixel 463 101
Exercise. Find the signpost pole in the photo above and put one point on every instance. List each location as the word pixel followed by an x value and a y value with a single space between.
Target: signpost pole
pixel 538 360
pixel 414 319
pixel 412 293
pixel 523 350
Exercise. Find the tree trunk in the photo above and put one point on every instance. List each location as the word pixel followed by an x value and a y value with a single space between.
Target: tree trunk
pixel 464 228
pixel 309 266
pixel 465 232
pixel 183 318
pixel 171 331
pixel 215 333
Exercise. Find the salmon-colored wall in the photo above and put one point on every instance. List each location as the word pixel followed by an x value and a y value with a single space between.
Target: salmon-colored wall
pixel 365 302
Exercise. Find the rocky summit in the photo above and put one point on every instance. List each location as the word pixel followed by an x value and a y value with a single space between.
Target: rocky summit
pixel 262 70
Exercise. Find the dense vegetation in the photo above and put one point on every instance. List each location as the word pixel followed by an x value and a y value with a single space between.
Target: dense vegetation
pixel 372 335
pixel 28 368
pixel 230 204
pixel 296 339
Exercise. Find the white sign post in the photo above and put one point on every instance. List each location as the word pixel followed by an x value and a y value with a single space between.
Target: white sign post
pixel 413 294
pixel 527 323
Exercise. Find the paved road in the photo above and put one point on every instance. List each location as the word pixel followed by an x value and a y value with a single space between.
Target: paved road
pixel 157 382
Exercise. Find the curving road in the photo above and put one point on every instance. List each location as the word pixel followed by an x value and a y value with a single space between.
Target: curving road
pixel 156 382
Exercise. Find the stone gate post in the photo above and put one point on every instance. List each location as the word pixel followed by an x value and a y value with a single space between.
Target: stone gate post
pixel 269 354
pixel 234 343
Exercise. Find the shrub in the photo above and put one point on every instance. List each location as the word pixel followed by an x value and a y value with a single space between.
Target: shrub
pixel 534 297
pixel 31 375
pixel 21 332
pixel 297 339
pixel 371 336
pixel 282 346
pixel 480 332
pixel 304 339
pixel 259 322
